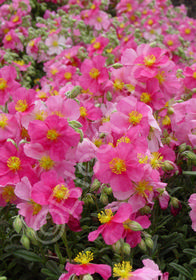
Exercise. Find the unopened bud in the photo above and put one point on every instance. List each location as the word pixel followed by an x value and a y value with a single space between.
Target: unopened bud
pixel 108 190
pixel 189 155
pixel 75 92
pixel 31 234
pixel 3 278
pixel 104 198
pixel 87 277
pixel 174 202
pixel 17 224
pixel 117 65
pixel 145 210
pixel 109 96
pixel 149 242
pixel 88 199
pixel 75 124
pixel 95 185
pixel 25 241
pixel 135 226
pixel 142 245
pixel 126 249
pixel 153 44
pixel 182 147
pixel 167 165
pixel 117 247
pixel 170 111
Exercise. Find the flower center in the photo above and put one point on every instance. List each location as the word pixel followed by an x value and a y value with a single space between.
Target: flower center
pixel 156 160
pixel 14 163
pixel 145 97
pixel 52 134
pixel 149 60
pixel 129 7
pixel 170 43
pixel 8 37
pixel 84 257
pixel 105 216
pixel 55 43
pixel 150 22
pixel 60 192
pixel 68 75
pixel 142 187
pixel 135 117
pixel 83 112
pixel 8 194
pixel 187 31
pixel 194 75
pixel 94 73
pixel 97 45
pixel 3 84
pixel 122 270
pixel 21 105
pixel 46 163
pixel 166 120
pixel 118 84
pixel 123 139
pixel 99 19
pixel 3 120
pixel 117 165
pixel 160 77
pixel 16 18
pixel 36 207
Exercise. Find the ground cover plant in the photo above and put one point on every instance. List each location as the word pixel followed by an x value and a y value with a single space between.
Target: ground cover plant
pixel 97 140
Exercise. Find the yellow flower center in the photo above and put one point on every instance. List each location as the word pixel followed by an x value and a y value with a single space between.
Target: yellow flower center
pixel 135 117
pixel 156 160
pixel 60 192
pixel 161 76
pixel 99 19
pixel 117 166
pixel 8 194
pixel 97 45
pixel 142 159
pixel 68 75
pixel 149 60
pixel 36 207
pixel 3 120
pixel 122 270
pixel 129 7
pixel 84 257
pixel 21 105
pixel 145 97
pixel 150 22
pixel 123 139
pixel 94 73
pixel 32 43
pixel 118 84
pixel 55 43
pixel 52 134
pixel 98 142
pixel 105 216
pixel 3 84
pixel 46 163
pixel 83 112
pixel 14 163
pixel 93 6
pixel 166 120
pixel 8 37
pixel 20 62
pixel 142 187
pixel 187 31
pixel 170 43
pixel 194 75
pixel 130 87
pixel 54 71
pixel 16 18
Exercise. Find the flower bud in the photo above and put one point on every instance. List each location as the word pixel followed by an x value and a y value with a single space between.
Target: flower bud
pixel 95 185
pixel 109 96
pixel 107 190
pixel 117 65
pixel 104 198
pixel 170 111
pixel 175 206
pixel 25 241
pixel 117 247
pixel 17 224
pixel 167 165
pixel 88 199
pixel 189 155
pixel 145 210
pixel 75 91
pixel 149 242
pixel 31 234
pixel 182 147
pixel 135 226
pixel 142 245
pixel 87 277
pixel 3 278
pixel 126 249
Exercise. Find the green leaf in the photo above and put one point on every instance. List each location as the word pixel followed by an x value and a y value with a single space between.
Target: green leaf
pixel 181 270
pixel 29 256
pixel 192 173
pixel 191 252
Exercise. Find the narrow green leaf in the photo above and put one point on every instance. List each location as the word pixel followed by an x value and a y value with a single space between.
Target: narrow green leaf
pixel 181 270
pixel 192 173
pixel 29 256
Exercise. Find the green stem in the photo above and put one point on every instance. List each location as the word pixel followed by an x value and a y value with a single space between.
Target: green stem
pixel 64 238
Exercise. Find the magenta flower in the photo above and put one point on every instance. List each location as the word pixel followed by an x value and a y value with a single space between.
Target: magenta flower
pixel 85 267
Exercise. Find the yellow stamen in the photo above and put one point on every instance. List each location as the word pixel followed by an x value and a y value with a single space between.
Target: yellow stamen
pixel 16 18
pixel 194 75
pixel 135 117
pixel 122 270
pixel 166 120
pixel 3 84
pixel 32 43
pixel 60 192
pixel 21 105
pixel 54 71
pixel 8 194
pixel 142 187
pixel 170 43
pixel 3 120
pixel 123 139
pixel 150 22
pixel 187 31
pixel 68 75
pixel 97 45
pixel 105 216
pixel 8 37
pixel 36 207
pixel 99 19
pixel 149 60
pixel 160 76
pixel 94 73
pixel 52 134
pixel 156 160
pixel 14 163
pixel 46 163
pixel 84 257
pixel 129 7
pixel 55 43
pixel 118 84
pixel 145 97
pixel 143 159
pixel 83 112
pixel 117 166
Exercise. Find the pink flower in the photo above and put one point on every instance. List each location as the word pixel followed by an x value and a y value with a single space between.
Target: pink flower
pixel 190 76
pixel 192 204
pixel 12 41
pixel 85 267
pixel 118 167
pixel 54 134
pixel 56 44
pixel 9 127
pixel 61 198
pixel 35 214
pixel 112 228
